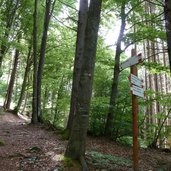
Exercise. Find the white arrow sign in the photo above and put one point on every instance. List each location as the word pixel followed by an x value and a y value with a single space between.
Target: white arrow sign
pixel 135 80
pixel 137 91
pixel 132 61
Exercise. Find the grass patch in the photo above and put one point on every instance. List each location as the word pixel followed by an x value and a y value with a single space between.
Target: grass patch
pixel 2 112
pixel 2 142
pixel 107 161
pixel 68 163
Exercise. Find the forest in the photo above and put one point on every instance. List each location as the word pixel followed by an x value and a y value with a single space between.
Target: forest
pixel 63 70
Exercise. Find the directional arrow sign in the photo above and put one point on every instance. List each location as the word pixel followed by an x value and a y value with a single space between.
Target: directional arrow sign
pixel 132 61
pixel 137 91
pixel 135 80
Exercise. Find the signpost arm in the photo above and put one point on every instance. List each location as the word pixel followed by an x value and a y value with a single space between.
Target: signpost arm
pixel 135 119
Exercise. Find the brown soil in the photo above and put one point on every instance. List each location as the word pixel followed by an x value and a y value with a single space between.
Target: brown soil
pixel 25 147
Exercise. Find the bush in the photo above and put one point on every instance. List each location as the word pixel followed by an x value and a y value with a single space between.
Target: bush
pixel 98 114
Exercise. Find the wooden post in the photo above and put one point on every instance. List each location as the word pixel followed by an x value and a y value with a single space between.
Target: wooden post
pixel 135 119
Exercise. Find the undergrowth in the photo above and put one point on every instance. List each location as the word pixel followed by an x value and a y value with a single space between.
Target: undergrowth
pixel 107 161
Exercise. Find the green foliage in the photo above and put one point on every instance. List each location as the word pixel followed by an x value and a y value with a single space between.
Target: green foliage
pixel 98 112
pixel 65 134
pixel 122 116
pixel 107 161
pixel 101 89
pixel 2 88
pixel 148 33
pixel 125 140
pixel 128 141
pixel 154 67
pixel 155 128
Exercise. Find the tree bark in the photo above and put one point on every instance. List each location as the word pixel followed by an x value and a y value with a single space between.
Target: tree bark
pixel 11 83
pixel 27 70
pixel 167 13
pixel 48 13
pixel 114 91
pixel 82 21
pixel 34 119
pixel 76 145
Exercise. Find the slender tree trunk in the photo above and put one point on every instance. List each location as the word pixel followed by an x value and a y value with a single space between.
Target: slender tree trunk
pixel 82 21
pixel 45 98
pixel 12 80
pixel 27 70
pixel 25 102
pixel 110 118
pixel 76 145
pixel 53 101
pixel 34 101
pixel 48 13
pixel 58 97
pixel 167 13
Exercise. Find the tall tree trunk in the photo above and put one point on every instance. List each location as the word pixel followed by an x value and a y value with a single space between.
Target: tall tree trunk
pixel 82 21
pixel 167 13
pixel 27 70
pixel 34 100
pixel 45 98
pixel 76 145
pixel 48 13
pixel 25 103
pixel 11 83
pixel 58 97
pixel 114 91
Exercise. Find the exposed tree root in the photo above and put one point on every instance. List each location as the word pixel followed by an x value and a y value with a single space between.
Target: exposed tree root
pixel 83 164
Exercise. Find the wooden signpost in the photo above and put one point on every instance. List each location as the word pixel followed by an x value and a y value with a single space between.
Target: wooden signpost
pixel 135 59
pixel 135 80
pixel 136 90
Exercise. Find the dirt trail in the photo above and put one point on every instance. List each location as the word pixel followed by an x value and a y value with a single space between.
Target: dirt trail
pixel 26 147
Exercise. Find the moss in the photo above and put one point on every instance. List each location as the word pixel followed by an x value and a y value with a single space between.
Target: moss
pixel 65 134
pixel 69 163
pixel 2 142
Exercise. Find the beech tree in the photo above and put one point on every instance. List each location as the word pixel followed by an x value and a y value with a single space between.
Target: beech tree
pixel 48 13
pixel 114 91
pixel 29 63
pixel 9 93
pixel 76 145
pixel 34 100
pixel 38 67
pixel 82 21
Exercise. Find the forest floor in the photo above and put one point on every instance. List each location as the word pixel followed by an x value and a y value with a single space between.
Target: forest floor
pixel 25 147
